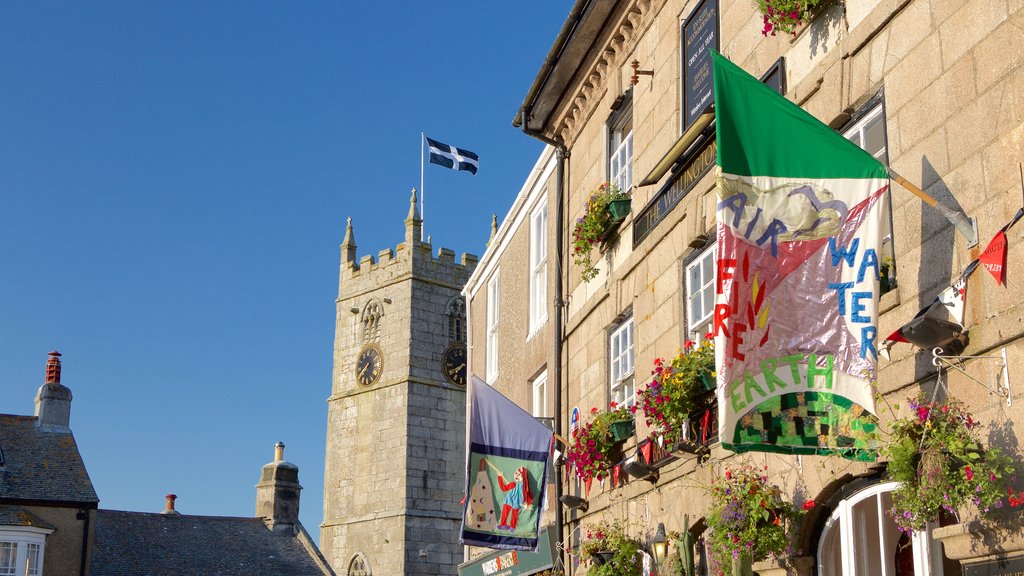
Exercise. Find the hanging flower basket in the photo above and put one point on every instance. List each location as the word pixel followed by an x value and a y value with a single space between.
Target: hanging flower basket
pixel 593 227
pixel 611 551
pixel 936 455
pixel 618 209
pixel 595 448
pixel 622 430
pixel 748 518
pixel 787 15
pixel 678 387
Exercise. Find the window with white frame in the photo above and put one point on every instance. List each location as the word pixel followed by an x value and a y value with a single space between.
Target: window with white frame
pixel 540 396
pixel 861 538
pixel 8 558
pixel 868 131
pixel 700 294
pixel 620 149
pixel 538 266
pixel 493 313
pixel 621 353
pixel 21 550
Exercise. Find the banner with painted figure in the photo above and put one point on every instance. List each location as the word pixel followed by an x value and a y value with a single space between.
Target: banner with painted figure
pixel 800 219
pixel 507 463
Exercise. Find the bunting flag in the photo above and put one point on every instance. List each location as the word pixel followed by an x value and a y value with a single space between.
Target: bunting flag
pixel 507 465
pixel 994 256
pixel 800 216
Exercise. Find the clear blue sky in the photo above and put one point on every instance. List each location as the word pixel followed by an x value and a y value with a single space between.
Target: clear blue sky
pixel 174 183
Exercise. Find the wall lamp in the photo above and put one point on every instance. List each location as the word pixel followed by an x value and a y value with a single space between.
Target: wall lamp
pixel 641 471
pixel 659 544
pixel 575 502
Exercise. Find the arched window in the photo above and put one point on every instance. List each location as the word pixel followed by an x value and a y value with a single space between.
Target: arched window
pixel 457 320
pixel 359 566
pixel 860 538
pixel 372 314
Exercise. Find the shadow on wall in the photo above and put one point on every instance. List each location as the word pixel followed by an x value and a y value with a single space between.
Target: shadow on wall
pixel 938 240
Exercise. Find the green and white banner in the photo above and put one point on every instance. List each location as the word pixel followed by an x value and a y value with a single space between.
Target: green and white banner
pixel 800 219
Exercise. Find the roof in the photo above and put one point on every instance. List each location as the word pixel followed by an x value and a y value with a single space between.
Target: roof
pixel 564 63
pixel 41 466
pixel 18 516
pixel 147 544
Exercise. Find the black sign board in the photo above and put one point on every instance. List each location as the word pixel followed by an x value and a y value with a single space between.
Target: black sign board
pixel 700 35
pixel 695 167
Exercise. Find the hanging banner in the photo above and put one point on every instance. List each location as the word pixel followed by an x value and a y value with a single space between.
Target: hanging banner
pixel 506 472
pixel 800 213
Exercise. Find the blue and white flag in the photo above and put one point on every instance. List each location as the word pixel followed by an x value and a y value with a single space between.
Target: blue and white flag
pixel 452 157
pixel 507 469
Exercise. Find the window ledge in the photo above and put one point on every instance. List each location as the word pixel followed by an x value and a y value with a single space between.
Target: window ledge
pixel 889 300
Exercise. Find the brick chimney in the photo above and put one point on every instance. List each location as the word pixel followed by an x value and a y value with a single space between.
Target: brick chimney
pixel 53 400
pixel 277 494
pixel 169 509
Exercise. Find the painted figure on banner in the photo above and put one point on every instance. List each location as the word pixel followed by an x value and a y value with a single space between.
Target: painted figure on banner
pixel 481 503
pixel 517 497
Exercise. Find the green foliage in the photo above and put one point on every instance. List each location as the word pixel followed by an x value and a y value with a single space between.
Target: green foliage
pixel 786 15
pixel 674 391
pixel 938 459
pixel 591 226
pixel 593 451
pixel 626 559
pixel 748 517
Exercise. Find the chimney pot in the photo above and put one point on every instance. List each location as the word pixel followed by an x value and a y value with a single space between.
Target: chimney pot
pixel 279 452
pixel 53 368
pixel 170 504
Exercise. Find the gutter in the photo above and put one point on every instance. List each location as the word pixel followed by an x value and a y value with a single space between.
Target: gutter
pixel 564 35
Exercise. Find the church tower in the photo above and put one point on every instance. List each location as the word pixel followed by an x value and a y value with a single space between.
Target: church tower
pixel 396 415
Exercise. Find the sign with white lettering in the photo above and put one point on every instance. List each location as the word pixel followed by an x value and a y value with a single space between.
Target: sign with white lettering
pixel 515 562
pixel 699 36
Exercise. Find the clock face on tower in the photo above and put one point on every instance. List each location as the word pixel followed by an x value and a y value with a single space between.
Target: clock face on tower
pixel 369 365
pixel 454 364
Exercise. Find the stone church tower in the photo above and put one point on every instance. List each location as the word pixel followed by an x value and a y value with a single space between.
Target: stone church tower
pixel 396 415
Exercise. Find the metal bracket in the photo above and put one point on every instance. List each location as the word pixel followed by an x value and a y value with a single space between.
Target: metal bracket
pixel 1002 377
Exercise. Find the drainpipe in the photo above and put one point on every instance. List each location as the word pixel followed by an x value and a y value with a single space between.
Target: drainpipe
pixel 561 154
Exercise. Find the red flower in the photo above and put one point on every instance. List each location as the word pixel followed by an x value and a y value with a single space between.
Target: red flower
pixel 809 504
pixel 613 405
pixel 708 336
pixel 593 410
pixel 968 472
pixel 688 344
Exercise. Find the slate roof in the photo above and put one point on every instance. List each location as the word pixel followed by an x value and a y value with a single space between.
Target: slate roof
pixel 147 544
pixel 41 466
pixel 18 516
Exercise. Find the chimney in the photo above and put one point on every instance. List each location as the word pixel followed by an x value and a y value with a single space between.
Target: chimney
pixel 53 400
pixel 169 510
pixel 277 494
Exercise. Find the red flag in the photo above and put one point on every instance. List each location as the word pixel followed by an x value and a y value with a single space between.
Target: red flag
pixel 646 451
pixel 587 485
pixel 994 256
pixel 616 471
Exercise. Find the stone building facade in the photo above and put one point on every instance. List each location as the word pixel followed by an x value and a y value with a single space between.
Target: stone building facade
pixel 395 463
pixel 930 87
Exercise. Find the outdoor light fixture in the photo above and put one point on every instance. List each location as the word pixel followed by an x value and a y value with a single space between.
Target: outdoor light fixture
pixel 575 502
pixel 659 544
pixel 927 332
pixel 637 469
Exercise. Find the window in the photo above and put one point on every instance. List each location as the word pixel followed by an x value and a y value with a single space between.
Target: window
pixel 622 386
pixel 620 148
pixel 868 131
pixel 8 558
pixel 493 293
pixel 540 396
pixel 457 320
pixel 21 550
pixel 538 266
pixel 861 539
pixel 33 560
pixel 700 293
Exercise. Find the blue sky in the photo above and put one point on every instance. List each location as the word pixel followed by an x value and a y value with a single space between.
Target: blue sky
pixel 174 183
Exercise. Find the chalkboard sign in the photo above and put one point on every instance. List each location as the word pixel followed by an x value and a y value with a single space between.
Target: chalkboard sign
pixel 699 36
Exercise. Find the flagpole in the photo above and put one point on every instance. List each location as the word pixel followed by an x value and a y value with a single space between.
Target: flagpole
pixel 422 142
pixel 965 225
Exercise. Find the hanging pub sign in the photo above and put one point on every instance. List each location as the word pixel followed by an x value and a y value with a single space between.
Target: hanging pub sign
pixel 515 562
pixel 699 36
